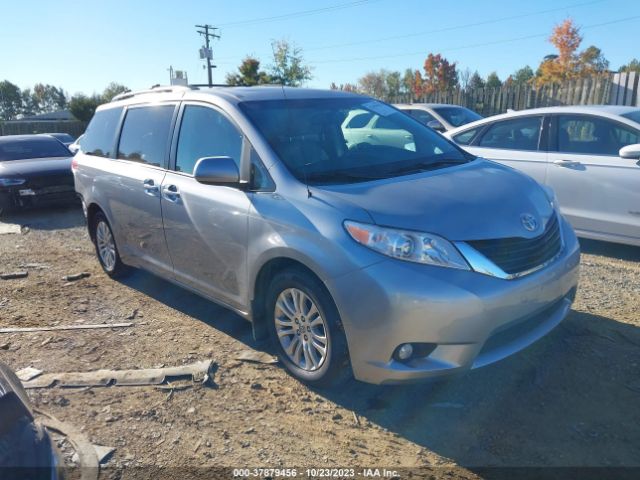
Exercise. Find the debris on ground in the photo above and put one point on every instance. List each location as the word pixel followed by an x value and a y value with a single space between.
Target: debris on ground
pixel 200 372
pixel 256 357
pixel 76 276
pixel 13 275
pixel 103 453
pixel 10 228
pixel 64 327
pixel 28 373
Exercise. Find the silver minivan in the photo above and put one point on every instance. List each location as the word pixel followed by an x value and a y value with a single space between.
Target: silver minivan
pixel 391 259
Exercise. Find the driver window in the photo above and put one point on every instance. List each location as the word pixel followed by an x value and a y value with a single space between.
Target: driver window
pixel 205 132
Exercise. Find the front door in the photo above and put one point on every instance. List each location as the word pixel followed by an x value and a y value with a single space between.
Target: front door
pixel 597 190
pixel 206 225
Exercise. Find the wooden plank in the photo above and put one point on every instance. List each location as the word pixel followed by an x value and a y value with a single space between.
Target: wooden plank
pixel 630 88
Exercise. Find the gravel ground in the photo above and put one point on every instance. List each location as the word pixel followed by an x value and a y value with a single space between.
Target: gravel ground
pixel 572 399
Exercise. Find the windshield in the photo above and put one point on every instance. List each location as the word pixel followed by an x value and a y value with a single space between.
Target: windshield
pixel 635 116
pixel 345 140
pixel 39 147
pixel 457 116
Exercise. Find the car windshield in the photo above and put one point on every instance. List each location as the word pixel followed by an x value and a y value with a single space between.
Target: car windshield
pixel 457 116
pixel 346 140
pixel 23 148
pixel 635 116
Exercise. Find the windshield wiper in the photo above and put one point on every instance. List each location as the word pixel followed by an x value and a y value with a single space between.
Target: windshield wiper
pixel 340 175
pixel 426 166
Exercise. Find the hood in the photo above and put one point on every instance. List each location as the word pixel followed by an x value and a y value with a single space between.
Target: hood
pixel 36 167
pixel 476 201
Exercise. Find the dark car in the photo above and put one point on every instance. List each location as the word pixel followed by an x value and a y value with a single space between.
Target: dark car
pixel 35 170
pixel 65 138
pixel 26 450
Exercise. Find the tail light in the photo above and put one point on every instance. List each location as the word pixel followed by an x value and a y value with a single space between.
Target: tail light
pixel 74 164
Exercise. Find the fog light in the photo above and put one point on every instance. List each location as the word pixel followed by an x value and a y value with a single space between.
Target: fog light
pixel 405 351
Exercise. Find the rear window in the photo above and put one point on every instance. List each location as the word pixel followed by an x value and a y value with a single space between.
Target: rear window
pixel 145 134
pixel 457 116
pixel 39 147
pixel 100 136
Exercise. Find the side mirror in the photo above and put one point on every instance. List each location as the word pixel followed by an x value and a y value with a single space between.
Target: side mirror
pixel 73 148
pixel 630 151
pixel 217 171
pixel 436 125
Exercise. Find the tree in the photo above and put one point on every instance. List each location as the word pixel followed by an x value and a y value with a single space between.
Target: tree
pixel 407 82
pixel 493 81
pixel 592 61
pixel 418 84
pixel 345 87
pixel 10 100
pixel 249 74
pixel 112 90
pixel 439 74
pixel 464 78
pixel 288 64
pixel 394 86
pixel 476 81
pixel 632 66
pixel 47 98
pixel 83 107
pixel 374 84
pixel 523 75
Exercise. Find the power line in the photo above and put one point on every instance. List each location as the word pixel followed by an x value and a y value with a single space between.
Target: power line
pixel 450 28
pixel 475 45
pixel 302 13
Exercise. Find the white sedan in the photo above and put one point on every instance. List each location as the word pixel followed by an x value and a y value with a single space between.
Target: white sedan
pixel 589 155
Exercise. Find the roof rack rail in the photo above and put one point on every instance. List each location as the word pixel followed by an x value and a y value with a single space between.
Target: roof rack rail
pixel 154 89
pixel 206 85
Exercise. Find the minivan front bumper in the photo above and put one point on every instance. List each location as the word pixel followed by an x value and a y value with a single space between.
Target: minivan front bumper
pixel 469 319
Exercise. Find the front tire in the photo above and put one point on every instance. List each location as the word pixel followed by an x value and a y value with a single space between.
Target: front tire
pixel 106 248
pixel 306 329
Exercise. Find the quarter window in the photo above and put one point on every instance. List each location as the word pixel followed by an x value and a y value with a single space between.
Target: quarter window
pixel 145 134
pixel 422 116
pixel 592 135
pixel 205 132
pixel 465 138
pixel 100 135
pixel 514 134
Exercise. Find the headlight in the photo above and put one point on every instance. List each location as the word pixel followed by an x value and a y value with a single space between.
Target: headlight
pixel 406 245
pixel 11 182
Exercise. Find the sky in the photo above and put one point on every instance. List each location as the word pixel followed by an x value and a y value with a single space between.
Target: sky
pixel 84 45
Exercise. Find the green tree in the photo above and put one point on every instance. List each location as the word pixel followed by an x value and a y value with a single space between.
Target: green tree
pixel 288 66
pixel 10 100
pixel 112 90
pixel 407 82
pixel 523 75
pixel 47 98
pixel 592 60
pixel 83 107
pixel 632 66
pixel 374 84
pixel 249 74
pixel 394 86
pixel 476 81
pixel 493 81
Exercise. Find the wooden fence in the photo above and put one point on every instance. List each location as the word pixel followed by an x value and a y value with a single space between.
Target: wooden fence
pixel 613 89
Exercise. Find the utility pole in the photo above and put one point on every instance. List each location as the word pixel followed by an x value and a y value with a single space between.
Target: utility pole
pixel 206 52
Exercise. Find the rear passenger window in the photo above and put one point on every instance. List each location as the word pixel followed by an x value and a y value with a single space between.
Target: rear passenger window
pixel 592 135
pixel 145 134
pixel 465 138
pixel 205 132
pixel 514 134
pixel 100 136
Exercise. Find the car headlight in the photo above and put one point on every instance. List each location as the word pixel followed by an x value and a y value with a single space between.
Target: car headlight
pixel 407 245
pixel 11 182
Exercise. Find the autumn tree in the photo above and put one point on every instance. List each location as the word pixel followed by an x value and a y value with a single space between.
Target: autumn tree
pixel 570 64
pixel 440 75
pixel 374 84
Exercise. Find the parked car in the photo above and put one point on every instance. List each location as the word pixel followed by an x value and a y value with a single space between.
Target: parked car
pixel 26 450
pixel 589 155
pixel 65 138
pixel 395 262
pixel 35 170
pixel 439 116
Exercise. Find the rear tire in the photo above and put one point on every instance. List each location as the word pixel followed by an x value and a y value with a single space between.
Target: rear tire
pixel 306 329
pixel 106 249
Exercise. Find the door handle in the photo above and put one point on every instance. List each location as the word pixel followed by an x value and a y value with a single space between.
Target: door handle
pixel 171 193
pixel 150 187
pixel 566 163
pixel 369 135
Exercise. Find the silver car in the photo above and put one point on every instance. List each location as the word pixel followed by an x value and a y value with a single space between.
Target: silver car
pixel 390 261
pixel 439 116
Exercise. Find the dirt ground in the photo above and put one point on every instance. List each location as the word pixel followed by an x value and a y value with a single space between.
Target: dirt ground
pixel 572 399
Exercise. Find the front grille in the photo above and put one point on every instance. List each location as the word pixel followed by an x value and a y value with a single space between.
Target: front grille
pixel 516 255
pixel 51 180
